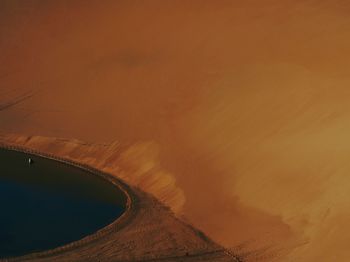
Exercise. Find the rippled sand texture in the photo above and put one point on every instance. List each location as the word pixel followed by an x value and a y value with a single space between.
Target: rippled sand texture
pixel 242 105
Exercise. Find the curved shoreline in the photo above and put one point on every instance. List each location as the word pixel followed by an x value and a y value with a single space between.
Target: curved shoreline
pixel 120 222
pixel 148 230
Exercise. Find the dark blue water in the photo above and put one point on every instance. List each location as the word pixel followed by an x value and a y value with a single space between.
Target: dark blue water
pixel 49 204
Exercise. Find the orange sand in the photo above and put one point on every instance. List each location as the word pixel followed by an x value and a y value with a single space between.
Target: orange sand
pixel 242 105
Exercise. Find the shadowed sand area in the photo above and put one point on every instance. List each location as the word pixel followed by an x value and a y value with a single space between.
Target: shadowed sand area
pixel 147 231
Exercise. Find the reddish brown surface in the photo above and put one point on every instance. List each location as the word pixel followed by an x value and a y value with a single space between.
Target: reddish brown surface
pixel 243 107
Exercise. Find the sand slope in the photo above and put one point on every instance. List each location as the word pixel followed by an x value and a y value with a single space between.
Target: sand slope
pixel 243 107
pixel 148 231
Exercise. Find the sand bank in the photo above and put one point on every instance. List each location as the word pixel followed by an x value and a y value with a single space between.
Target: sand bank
pixel 147 231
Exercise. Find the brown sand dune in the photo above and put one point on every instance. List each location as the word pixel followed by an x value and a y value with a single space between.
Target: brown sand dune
pixel 241 106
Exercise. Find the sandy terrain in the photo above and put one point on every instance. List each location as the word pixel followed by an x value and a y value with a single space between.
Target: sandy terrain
pixel 147 231
pixel 236 112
